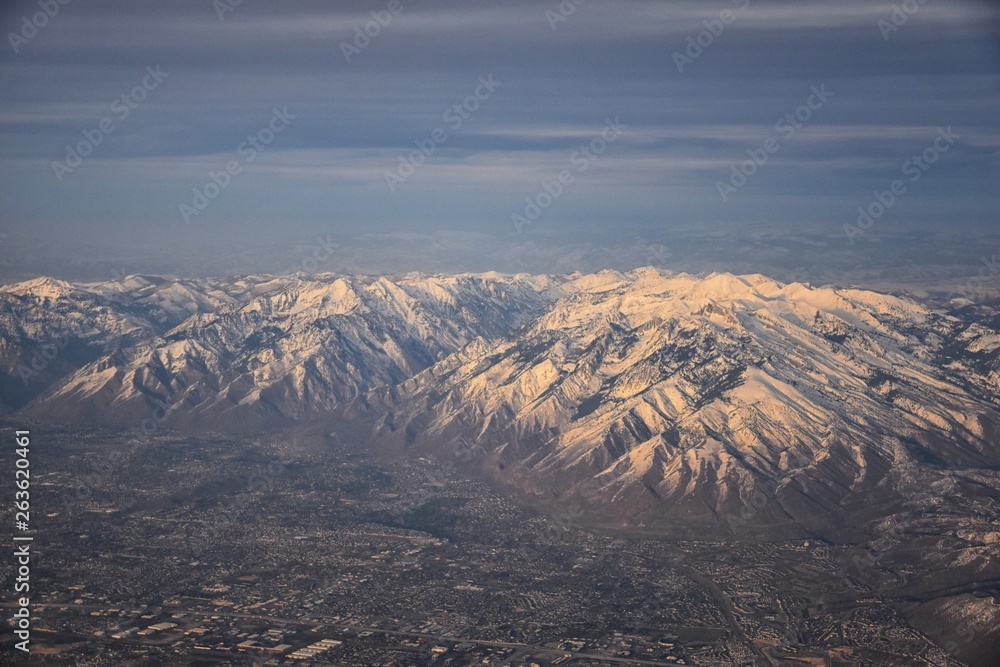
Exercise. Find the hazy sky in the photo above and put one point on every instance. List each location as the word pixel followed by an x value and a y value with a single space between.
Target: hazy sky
pixel 162 95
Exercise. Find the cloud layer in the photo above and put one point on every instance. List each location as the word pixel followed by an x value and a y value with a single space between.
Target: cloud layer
pixel 700 86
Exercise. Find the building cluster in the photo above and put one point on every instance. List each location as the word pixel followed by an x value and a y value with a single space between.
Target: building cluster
pixel 331 560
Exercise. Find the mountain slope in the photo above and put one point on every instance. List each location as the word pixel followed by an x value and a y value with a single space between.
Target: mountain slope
pixel 654 398
pixel 51 328
pixel 292 352
pixel 658 404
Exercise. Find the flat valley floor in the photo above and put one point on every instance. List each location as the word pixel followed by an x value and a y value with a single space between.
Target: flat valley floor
pixel 174 550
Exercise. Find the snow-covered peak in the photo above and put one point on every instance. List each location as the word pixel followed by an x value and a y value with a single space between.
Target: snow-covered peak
pixel 651 383
pixel 41 288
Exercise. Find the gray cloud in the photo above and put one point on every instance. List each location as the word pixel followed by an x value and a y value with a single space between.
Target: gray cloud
pixel 353 120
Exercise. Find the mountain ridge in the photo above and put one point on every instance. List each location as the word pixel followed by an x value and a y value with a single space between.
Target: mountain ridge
pixel 645 403
pixel 648 396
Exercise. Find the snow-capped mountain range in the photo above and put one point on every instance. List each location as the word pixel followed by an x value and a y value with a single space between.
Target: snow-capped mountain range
pixel 646 398
pixel 658 399
pixel 715 407
pixel 251 353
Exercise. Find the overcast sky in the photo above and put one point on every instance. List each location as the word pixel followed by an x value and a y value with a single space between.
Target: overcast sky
pixel 162 95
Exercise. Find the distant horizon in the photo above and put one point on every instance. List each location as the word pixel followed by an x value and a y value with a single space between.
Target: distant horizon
pixel 982 287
